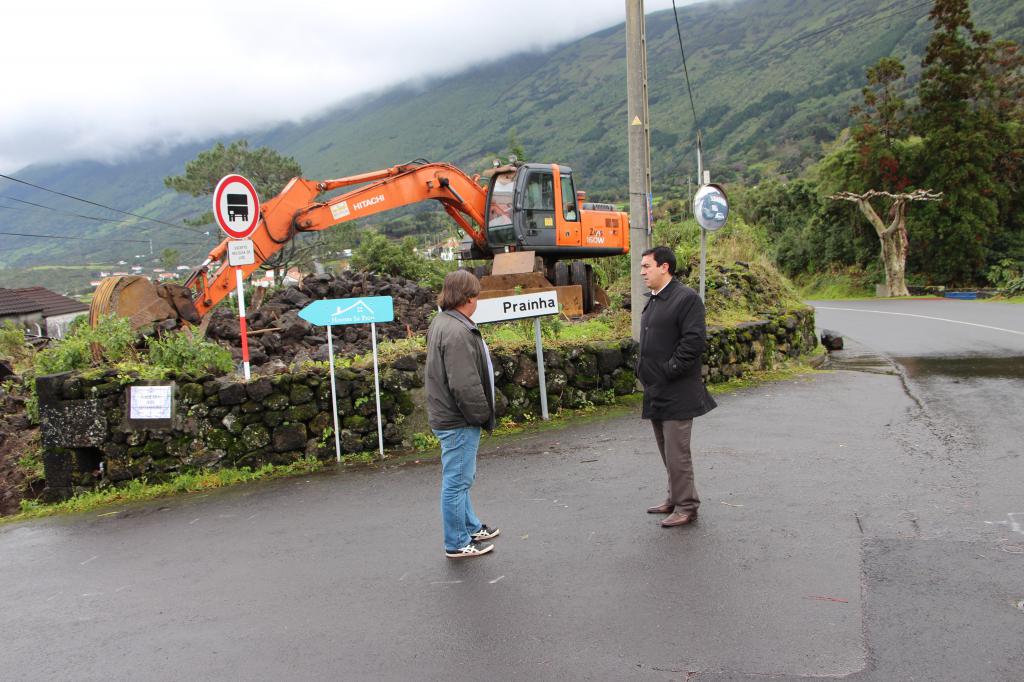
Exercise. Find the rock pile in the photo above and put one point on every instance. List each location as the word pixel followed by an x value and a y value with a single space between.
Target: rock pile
pixel 277 332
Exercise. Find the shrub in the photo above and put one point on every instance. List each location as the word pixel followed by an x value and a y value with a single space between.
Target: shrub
pixel 113 340
pixel 379 254
pixel 181 352
pixel 13 346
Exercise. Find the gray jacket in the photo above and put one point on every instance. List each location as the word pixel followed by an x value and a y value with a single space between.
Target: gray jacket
pixel 459 384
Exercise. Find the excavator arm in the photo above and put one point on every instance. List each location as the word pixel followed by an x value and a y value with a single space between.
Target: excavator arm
pixel 295 210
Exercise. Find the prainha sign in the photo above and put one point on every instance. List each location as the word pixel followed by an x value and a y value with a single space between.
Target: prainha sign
pixel 534 305
pixel 516 307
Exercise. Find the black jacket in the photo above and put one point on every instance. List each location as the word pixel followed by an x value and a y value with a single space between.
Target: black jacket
pixel 672 341
pixel 459 388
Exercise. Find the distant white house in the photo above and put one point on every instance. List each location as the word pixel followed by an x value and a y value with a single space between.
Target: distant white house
pixel 266 280
pixel 293 277
pixel 444 250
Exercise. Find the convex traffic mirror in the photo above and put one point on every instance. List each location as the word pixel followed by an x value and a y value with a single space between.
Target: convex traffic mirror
pixel 711 207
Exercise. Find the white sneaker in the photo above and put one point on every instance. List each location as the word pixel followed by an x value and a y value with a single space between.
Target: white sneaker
pixel 485 533
pixel 470 550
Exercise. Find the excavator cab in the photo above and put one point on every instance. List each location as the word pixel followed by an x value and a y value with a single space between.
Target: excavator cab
pixel 534 207
pixel 523 208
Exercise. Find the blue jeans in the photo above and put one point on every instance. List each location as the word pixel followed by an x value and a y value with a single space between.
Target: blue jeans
pixel 458 469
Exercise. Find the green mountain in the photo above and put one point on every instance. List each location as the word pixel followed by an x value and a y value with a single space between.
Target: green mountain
pixel 772 81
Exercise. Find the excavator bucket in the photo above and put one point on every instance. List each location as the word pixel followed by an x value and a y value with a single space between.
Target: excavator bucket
pixel 132 296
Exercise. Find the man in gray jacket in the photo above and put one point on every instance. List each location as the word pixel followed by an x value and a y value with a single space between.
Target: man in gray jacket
pixel 460 402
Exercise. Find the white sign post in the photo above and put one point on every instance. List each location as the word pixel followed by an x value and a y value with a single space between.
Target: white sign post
pixel 370 310
pixel 237 209
pixel 516 308
pixel 241 252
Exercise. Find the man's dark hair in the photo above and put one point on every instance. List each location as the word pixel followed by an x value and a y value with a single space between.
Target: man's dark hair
pixel 662 255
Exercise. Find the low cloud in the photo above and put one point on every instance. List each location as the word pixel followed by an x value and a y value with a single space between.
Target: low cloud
pixel 111 77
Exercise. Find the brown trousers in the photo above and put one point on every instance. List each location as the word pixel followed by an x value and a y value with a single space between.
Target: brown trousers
pixel 673 438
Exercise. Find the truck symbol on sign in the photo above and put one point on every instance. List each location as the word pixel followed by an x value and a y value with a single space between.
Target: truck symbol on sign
pixel 238 205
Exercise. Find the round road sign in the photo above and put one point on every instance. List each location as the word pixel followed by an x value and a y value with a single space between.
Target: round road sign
pixel 710 207
pixel 236 206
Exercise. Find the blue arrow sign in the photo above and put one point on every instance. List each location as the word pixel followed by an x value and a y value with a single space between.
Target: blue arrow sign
pixel 335 311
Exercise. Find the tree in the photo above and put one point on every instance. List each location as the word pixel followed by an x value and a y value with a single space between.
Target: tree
pixel 170 258
pixel 515 148
pixel 893 237
pixel 961 136
pixel 1006 99
pixel 268 171
pixel 876 162
pixel 880 123
pixel 379 254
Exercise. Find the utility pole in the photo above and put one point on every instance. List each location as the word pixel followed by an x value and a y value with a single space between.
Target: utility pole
pixel 638 125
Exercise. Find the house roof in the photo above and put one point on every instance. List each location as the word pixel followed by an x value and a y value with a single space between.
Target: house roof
pixel 32 299
pixel 12 303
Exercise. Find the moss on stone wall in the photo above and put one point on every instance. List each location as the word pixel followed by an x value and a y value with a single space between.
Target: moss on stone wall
pixel 280 418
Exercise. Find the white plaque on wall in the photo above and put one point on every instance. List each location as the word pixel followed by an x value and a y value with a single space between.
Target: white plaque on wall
pixel 150 402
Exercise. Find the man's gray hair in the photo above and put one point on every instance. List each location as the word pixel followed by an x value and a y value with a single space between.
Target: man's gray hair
pixel 459 286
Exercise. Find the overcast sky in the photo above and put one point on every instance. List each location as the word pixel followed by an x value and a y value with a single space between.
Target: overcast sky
pixel 103 78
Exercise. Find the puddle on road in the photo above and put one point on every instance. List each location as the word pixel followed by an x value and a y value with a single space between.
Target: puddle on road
pixel 963 367
pixel 860 360
pixel 966 367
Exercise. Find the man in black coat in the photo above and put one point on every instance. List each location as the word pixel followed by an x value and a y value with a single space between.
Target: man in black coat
pixel 672 342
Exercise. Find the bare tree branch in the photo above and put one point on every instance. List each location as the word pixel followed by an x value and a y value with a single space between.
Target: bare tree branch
pixel 893 239
pixel 916 195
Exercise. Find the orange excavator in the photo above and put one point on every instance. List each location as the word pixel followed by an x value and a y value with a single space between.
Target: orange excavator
pixel 527 217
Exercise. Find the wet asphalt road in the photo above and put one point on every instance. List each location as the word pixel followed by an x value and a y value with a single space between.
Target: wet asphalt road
pixel 854 524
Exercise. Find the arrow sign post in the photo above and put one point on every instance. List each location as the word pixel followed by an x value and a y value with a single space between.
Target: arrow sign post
pixel 507 308
pixel 338 311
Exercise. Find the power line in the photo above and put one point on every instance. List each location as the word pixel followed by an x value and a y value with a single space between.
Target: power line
pixel 84 239
pixel 87 201
pixel 74 215
pixel 686 72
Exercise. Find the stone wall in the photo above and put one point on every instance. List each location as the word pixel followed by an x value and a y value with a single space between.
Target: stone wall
pixel 279 419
